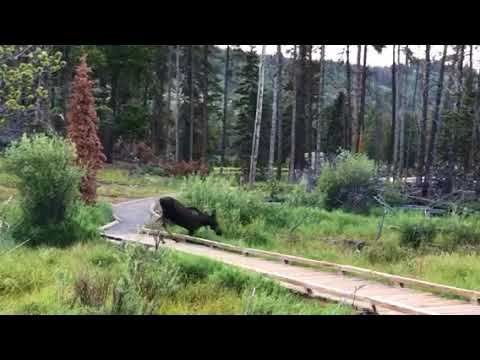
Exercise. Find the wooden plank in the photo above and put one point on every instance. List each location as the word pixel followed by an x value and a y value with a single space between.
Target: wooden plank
pixel 456 309
pixel 382 292
pixel 427 300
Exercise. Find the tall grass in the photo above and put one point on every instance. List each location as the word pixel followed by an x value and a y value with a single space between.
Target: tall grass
pixel 98 278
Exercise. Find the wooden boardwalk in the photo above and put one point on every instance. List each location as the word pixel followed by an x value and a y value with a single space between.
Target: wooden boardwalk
pixel 355 290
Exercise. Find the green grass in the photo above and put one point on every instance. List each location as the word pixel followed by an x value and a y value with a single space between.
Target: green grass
pixel 117 184
pixel 7 183
pixel 42 281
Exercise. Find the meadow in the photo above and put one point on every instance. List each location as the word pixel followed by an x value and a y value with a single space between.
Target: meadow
pixel 98 278
pixel 92 277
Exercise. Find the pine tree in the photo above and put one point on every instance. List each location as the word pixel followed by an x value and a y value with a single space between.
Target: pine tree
pixel 82 130
pixel 225 109
pixel 245 106
pixel 335 117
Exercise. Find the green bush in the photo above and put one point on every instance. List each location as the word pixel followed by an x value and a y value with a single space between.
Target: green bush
pixel 146 278
pixel 392 194
pixel 385 252
pixel 458 231
pixel 49 210
pixel 349 183
pixel 297 196
pixel 91 288
pixel 414 233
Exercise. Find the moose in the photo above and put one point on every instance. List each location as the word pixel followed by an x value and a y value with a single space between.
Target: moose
pixel 189 218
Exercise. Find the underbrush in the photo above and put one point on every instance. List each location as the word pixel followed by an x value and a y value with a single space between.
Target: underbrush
pixel 80 224
pixel 99 278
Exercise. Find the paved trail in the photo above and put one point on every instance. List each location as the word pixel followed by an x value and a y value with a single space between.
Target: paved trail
pixel 132 216
pixel 323 284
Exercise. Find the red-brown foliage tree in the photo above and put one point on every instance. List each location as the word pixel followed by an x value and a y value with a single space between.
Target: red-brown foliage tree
pixel 82 130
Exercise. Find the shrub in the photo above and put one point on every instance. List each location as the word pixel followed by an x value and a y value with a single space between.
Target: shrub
pixel 230 278
pixel 194 269
pixel 274 189
pixel 349 183
pixel 253 234
pixel 414 233
pixel 86 219
pixel 385 252
pixel 146 277
pixel 103 256
pixel 48 184
pixel 392 194
pixel 91 289
pixel 458 231
pixel 5 210
pixel 297 196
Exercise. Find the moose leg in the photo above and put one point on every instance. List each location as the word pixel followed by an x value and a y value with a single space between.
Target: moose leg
pixel 168 231
pixel 158 238
pixel 164 225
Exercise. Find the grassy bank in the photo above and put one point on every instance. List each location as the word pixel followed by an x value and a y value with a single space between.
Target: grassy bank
pixel 88 278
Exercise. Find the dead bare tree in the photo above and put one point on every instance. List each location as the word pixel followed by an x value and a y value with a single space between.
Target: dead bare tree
pixel 258 119
pixel 423 132
pixel 436 125
pixel 291 174
pixel 273 135
pixel 321 101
